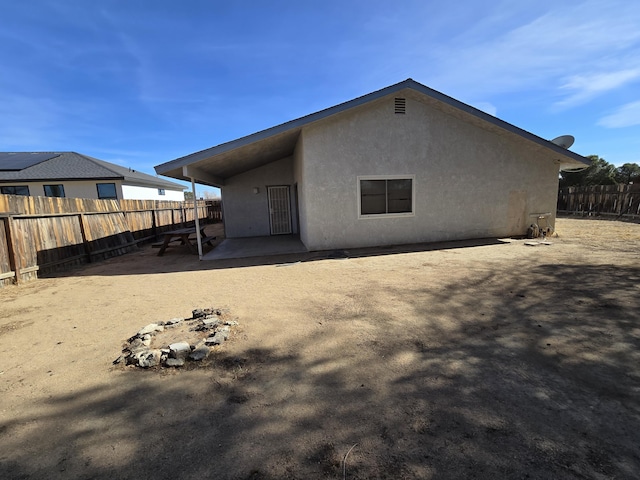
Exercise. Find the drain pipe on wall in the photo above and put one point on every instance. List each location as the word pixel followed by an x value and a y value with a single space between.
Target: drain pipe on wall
pixel 196 216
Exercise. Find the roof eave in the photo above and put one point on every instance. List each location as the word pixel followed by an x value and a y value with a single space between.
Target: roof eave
pixel 574 157
pixel 63 179
pixel 161 183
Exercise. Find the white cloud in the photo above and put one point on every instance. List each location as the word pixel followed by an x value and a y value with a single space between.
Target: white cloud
pixel 626 116
pixel 566 50
pixel 586 87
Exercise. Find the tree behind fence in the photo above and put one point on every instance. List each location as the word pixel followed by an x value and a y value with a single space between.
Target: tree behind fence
pixel 44 234
pixel 620 201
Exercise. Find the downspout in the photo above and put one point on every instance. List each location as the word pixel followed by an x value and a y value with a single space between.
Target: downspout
pixel 196 216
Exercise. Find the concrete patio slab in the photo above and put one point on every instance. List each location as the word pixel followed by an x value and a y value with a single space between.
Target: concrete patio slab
pixel 256 247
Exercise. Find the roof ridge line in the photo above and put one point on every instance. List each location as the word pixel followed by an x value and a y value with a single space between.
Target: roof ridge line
pixel 98 162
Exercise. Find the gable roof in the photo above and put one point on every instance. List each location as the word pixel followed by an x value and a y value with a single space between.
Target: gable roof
pixel 215 164
pixel 48 166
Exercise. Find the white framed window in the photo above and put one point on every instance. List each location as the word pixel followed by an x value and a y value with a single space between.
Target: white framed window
pixel 386 196
pixel 161 191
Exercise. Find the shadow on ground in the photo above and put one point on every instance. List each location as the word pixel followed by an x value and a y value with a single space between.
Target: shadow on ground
pixel 540 381
pixel 145 261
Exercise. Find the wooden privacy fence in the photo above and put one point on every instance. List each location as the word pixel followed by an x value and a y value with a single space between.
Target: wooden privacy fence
pixel 43 235
pixel 617 201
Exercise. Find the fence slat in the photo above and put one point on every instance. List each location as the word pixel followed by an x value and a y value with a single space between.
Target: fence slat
pixel 50 234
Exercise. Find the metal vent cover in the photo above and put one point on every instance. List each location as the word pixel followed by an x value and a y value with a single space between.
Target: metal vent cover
pixel 400 105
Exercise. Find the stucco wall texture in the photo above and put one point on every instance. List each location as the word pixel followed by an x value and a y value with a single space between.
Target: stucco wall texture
pixel 470 181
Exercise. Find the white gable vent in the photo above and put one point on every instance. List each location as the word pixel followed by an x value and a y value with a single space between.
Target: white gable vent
pixel 400 105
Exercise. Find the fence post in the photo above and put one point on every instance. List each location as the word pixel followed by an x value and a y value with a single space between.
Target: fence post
pixel 85 242
pixel 14 259
pixel 154 227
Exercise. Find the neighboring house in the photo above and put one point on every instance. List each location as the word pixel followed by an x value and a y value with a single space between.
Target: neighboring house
pixel 404 164
pixel 70 174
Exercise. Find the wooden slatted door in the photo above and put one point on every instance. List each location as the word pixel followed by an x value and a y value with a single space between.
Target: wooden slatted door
pixel 279 210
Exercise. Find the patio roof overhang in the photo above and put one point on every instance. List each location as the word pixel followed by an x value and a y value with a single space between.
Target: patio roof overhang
pixel 213 166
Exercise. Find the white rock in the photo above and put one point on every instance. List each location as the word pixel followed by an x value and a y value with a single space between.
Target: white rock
pixel 152 327
pixel 148 358
pixel 179 349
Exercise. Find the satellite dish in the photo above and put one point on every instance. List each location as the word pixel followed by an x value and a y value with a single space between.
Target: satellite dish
pixel 564 141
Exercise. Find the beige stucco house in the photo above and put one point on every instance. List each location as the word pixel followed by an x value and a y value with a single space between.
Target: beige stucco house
pixel 405 164
pixel 71 174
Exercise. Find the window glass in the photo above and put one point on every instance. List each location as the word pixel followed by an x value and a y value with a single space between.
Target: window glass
pixel 15 190
pixel 399 196
pixel 373 197
pixel 380 197
pixel 54 191
pixel 161 191
pixel 107 191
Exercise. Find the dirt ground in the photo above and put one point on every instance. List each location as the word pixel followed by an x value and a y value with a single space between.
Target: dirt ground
pixel 477 360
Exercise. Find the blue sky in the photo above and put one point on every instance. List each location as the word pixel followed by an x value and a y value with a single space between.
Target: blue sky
pixel 140 83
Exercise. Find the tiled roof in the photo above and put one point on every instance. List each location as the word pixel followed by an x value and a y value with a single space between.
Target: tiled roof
pixel 74 166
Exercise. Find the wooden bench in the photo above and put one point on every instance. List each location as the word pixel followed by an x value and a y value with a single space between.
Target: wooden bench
pixel 183 235
pixel 171 242
pixel 187 237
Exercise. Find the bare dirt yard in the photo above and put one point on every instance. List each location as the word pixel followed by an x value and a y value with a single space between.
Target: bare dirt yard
pixel 484 360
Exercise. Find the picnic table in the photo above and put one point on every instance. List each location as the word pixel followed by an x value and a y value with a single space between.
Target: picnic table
pixel 186 236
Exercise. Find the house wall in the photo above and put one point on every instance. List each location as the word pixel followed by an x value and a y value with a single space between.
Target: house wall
pixel 136 192
pixel 88 189
pixel 470 182
pixel 72 188
pixel 298 177
pixel 246 214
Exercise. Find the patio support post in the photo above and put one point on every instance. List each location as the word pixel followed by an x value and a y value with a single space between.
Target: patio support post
pixel 196 217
